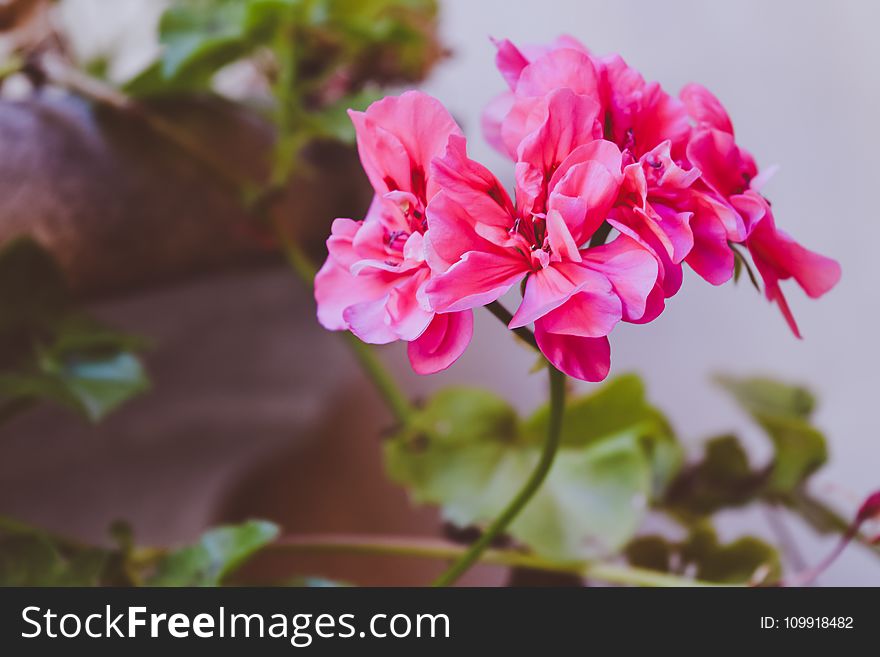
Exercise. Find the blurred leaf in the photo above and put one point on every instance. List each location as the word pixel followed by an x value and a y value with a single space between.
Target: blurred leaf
pixel 652 552
pixel 30 557
pixel 619 407
pixel 219 552
pixel 722 479
pixel 315 583
pixel 470 457
pixel 783 411
pixel 334 122
pixel 49 350
pixel 745 560
pixel 763 396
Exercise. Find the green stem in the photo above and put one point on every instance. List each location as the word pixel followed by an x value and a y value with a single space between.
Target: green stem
pixel 518 503
pixel 505 316
pixel 437 549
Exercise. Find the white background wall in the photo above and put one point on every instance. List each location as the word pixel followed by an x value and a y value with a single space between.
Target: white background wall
pixel 801 83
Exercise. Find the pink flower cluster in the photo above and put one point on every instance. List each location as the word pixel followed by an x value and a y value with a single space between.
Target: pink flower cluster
pixel 597 151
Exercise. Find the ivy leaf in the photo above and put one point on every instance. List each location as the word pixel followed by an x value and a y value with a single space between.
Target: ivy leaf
pixel 217 553
pixel 783 411
pixel 470 457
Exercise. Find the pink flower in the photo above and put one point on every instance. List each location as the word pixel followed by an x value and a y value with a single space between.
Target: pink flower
pixel 729 177
pixel 480 243
pixel 373 280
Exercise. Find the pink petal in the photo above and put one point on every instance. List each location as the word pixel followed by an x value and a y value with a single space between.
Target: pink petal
pixel 559 237
pixel 705 108
pixel 561 69
pixel 336 289
pixel 587 359
pixel 552 286
pixel 632 272
pixel 778 254
pixel 398 137
pixel 594 187
pixel 442 343
pixel 472 185
pixel 510 61
pixel 475 280
pixel 570 121
pixel 592 313
pixel 368 320
pixel 723 165
pixel 711 256
pixel 406 317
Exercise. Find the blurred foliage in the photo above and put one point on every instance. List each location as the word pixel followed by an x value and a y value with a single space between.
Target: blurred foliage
pixel 317 56
pixel 50 349
pixel 34 557
pixel 744 560
pixel 218 553
pixel 467 451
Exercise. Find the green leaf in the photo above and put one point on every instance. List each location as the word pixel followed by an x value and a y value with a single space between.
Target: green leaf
pixel 722 479
pixel 218 553
pixel 744 560
pixel 30 557
pixel 652 552
pixel 469 456
pixel 763 396
pixel 618 408
pixel 51 351
pixel 783 411
pixel 315 583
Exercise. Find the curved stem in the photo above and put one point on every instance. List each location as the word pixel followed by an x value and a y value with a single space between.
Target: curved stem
pixel 504 315
pixel 518 503
pixel 439 549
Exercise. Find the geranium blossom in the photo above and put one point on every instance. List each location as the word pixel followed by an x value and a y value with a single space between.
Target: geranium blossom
pixel 372 280
pixel 689 190
pixel 595 148
pixel 481 243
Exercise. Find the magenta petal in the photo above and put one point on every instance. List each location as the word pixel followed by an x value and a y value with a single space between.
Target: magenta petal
pixel 587 359
pixel 475 280
pixel 704 107
pixel 591 313
pixel 570 121
pixel 510 61
pixel 560 69
pixel 442 343
pixel 711 256
pixel 552 286
pixel 632 271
